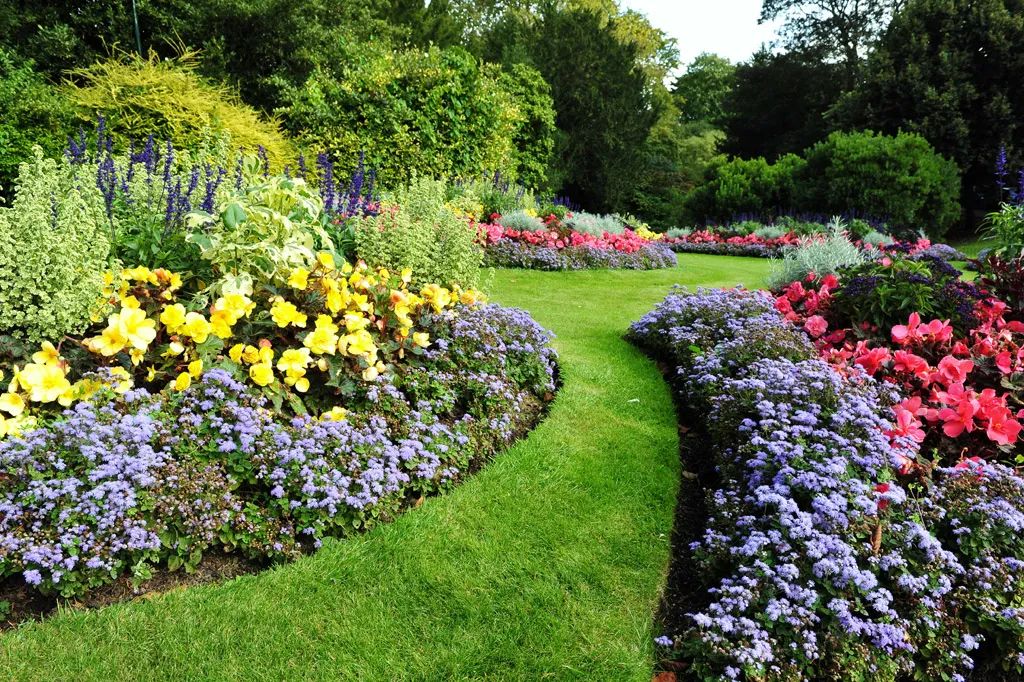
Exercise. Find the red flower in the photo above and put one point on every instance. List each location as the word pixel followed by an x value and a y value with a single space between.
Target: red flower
pixel 882 489
pixel 872 360
pixel 1004 361
pixel 906 361
pixel 953 371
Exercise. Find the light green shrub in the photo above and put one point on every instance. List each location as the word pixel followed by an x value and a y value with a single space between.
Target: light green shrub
pixel 416 229
pixel 265 230
pixel 54 246
pixel 169 99
pixel 679 232
pixel 876 238
pixel 820 256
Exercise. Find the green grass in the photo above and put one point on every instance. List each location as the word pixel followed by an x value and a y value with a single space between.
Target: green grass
pixel 545 565
pixel 972 247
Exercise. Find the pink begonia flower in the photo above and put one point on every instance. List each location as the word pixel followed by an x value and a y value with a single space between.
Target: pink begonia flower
pixel 816 325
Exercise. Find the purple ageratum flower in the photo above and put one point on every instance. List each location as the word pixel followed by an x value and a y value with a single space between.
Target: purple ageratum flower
pixel 788 551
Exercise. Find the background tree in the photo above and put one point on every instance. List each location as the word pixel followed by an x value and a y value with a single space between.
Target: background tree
pixel 950 70
pixel 778 104
pixel 837 29
pixel 701 90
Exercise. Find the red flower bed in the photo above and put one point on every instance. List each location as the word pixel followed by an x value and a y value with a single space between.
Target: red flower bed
pixel 961 390
pixel 558 237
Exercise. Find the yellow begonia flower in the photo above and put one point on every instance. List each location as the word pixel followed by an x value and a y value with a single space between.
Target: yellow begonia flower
pixel 371 373
pixel 266 353
pixel 301 384
pixel 182 382
pixel 335 414
pixel 12 403
pixel 360 302
pixel 285 313
pixel 262 374
pixel 44 383
pixel 359 343
pixel 421 339
pixel 151 374
pixel 137 356
pixel 47 356
pixel 136 327
pixel 195 368
pixel 294 361
pixel 355 322
pixel 438 297
pixel 324 338
pixel 326 260
pixel 299 279
pixel 174 348
pixel 130 302
pixel 236 352
pixel 470 297
pixel 196 327
pixel 407 275
pixel 251 354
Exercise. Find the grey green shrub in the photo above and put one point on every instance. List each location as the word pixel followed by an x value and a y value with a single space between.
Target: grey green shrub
pixel 54 245
pixel 520 220
pixel 820 256
pixel 595 225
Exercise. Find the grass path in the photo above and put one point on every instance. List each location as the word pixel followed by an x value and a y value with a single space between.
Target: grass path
pixel 546 565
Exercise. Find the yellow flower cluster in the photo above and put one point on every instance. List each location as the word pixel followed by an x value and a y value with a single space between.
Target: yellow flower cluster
pixel 329 319
pixel 645 232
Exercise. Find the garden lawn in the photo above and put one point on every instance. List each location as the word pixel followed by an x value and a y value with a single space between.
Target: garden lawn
pixel 545 565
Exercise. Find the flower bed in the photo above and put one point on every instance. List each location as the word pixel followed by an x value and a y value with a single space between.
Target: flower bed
pixel 260 425
pixel 755 246
pixel 822 557
pixel 558 248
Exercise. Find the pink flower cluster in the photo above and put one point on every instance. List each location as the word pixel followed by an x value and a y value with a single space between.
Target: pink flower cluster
pixel 710 237
pixel 627 242
pixel 954 386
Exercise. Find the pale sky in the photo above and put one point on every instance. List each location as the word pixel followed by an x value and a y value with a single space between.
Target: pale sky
pixel 725 27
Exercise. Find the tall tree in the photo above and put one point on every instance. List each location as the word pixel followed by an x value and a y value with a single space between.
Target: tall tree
pixel 950 70
pixel 700 91
pixel 778 104
pixel 604 103
pixel 837 29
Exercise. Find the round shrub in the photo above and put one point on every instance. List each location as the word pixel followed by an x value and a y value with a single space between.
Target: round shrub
pixel 744 186
pixel 54 244
pixel 169 99
pixel 901 179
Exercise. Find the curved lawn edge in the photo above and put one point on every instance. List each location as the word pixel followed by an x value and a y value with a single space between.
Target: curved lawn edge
pixel 547 564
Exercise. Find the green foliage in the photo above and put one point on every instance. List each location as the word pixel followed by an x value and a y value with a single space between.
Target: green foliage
pixel 701 91
pixel 901 179
pixel 265 230
pixel 522 221
pixel 437 113
pixel 54 246
pixel 819 256
pixel 534 136
pixel 778 104
pixel 950 71
pixel 1005 228
pixel 595 225
pixel 930 288
pixel 418 230
pixel 169 99
pixel 737 186
pixel 32 112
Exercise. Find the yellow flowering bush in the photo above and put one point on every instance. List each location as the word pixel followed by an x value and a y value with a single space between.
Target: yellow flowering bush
pixel 305 344
pixel 648 234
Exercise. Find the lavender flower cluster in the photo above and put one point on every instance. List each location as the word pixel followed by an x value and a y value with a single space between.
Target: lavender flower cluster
pixel 122 483
pixel 508 253
pixel 820 561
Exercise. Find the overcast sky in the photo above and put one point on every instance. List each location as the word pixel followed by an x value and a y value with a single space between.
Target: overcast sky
pixel 726 27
